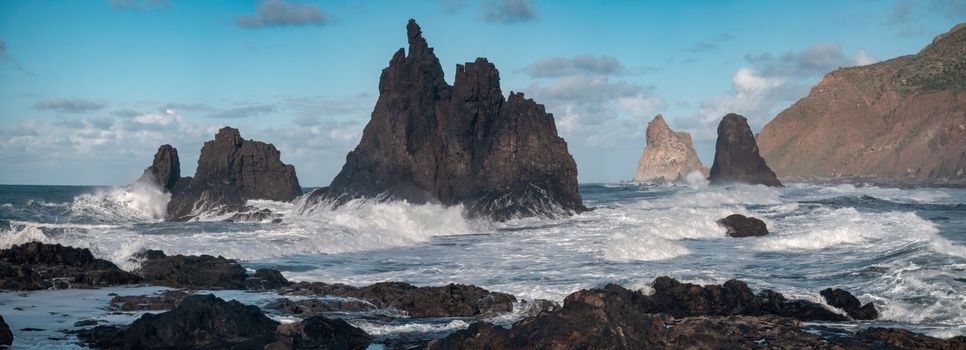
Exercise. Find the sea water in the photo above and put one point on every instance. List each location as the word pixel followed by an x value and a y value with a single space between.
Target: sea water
pixel 902 248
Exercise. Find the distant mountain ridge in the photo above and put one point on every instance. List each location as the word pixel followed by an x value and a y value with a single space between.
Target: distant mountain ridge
pixel 898 121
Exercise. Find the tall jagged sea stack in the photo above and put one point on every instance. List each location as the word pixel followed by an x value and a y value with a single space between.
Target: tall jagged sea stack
pixel 464 144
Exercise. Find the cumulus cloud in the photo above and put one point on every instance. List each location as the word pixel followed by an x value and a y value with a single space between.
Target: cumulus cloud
pixel 509 11
pixel 69 105
pixel 138 5
pixel 863 58
pixel 815 60
pixel 556 66
pixel 279 13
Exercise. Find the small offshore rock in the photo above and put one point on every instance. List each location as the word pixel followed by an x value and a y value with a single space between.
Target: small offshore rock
pixel 743 226
pixel 850 304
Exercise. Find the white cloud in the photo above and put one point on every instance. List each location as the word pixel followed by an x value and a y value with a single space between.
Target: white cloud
pixel 862 58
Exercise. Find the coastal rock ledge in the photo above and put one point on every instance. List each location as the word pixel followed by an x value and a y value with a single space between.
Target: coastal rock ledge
pixel 668 155
pixel 430 142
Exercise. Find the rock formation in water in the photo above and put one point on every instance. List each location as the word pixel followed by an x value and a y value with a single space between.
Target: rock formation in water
pixel 464 144
pixel 35 265
pixel 850 304
pixel 898 121
pixel 165 171
pixel 202 272
pixel 743 226
pixel 736 157
pixel 668 155
pixel 6 336
pixel 230 171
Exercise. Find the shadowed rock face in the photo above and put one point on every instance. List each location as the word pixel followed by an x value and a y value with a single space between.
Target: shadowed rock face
pixel 165 171
pixel 230 171
pixel 736 157
pixel 850 304
pixel 465 144
pixel 6 336
pixel 668 155
pixel 203 271
pixel 898 121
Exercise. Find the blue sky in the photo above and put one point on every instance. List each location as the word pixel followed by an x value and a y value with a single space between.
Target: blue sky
pixel 89 89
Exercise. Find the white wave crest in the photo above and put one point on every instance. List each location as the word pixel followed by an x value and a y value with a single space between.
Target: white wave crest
pixel 378 329
pixel 138 202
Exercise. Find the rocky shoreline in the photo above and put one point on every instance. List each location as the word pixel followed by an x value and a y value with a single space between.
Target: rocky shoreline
pixel 673 315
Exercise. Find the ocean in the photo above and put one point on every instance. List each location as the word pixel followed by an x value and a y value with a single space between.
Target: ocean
pixel 902 248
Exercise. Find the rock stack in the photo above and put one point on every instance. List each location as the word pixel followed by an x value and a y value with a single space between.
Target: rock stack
pixel 736 157
pixel 429 142
pixel 668 155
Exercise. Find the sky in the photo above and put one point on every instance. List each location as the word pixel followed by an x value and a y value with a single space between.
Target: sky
pixel 90 89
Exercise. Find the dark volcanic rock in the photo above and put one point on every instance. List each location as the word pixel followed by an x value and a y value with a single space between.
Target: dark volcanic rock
pixel 230 171
pixel 6 336
pixel 452 300
pixel 743 226
pixel 677 316
pixel 191 271
pixel 266 279
pixel 319 306
pixel 465 144
pixel 36 265
pixel 736 157
pixel 255 216
pixel 848 302
pixel 198 322
pixel 318 332
pixel 165 171
pixel 164 300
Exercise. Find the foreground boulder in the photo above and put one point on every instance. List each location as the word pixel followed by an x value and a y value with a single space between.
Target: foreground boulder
pixel 36 265
pixel 452 300
pixel 204 271
pixel 899 121
pixel 464 144
pixel 678 316
pixel 743 226
pixel 231 170
pixel 318 332
pixel 209 322
pixel 736 157
pixel 6 336
pixel 668 155
pixel 850 304
pixel 165 171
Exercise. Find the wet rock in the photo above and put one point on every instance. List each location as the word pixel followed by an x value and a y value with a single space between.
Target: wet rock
pixel 319 306
pixel 6 336
pixel 266 279
pixel 198 322
pixel 743 226
pixel 452 300
pixel 36 265
pixel 850 304
pixel 736 157
pixel 85 323
pixel 255 216
pixel 537 307
pixel 164 300
pixel 677 316
pixel 180 271
pixel 732 298
pixel 232 170
pixel 318 332
pixel 464 144
pixel 165 171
